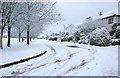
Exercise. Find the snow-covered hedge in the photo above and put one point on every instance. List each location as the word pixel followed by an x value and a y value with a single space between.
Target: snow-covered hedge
pixel 100 37
pixel 115 41
pixel 76 36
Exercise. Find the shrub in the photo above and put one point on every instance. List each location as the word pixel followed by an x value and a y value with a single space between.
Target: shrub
pixel 100 37
pixel 76 36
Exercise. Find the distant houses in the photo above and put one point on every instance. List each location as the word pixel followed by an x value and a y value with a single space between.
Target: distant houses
pixel 111 17
pixel 71 29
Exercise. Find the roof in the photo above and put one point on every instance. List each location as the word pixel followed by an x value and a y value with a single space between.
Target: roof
pixel 111 13
pixel 71 29
pixel 71 25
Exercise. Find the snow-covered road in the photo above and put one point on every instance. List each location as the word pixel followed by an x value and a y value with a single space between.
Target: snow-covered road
pixel 61 59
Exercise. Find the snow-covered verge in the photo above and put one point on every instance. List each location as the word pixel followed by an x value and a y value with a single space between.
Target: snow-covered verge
pixel 61 59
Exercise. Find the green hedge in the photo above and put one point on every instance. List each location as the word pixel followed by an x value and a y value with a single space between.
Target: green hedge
pixel 99 42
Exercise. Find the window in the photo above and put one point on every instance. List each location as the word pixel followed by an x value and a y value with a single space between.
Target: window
pixel 110 21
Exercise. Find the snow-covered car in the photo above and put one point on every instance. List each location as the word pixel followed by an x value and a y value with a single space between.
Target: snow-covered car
pixel 83 41
pixel 66 39
pixel 53 38
pixel 42 36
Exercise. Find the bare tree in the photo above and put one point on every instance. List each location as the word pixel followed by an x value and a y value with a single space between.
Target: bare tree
pixel 41 13
pixel 27 16
pixel 6 10
pixel 90 25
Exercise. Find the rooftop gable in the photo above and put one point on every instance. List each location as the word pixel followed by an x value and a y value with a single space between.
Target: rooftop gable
pixel 111 13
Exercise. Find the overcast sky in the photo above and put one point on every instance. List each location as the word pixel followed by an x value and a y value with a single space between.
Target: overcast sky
pixel 76 11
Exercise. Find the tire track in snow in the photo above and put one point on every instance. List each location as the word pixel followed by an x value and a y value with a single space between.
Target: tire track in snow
pixel 76 67
pixel 52 55
pixel 65 60
pixel 19 72
pixel 28 69
pixel 83 62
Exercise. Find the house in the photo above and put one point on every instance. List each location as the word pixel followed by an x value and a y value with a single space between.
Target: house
pixel 71 29
pixel 111 17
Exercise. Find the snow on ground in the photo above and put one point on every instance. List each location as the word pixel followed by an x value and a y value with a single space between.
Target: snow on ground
pixel 61 59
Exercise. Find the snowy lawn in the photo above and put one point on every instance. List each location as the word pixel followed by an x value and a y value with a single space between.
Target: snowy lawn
pixel 61 59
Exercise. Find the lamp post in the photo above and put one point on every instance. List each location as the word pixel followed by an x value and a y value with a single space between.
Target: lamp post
pixel 64 28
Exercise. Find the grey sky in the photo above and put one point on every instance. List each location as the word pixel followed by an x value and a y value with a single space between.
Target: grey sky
pixel 76 12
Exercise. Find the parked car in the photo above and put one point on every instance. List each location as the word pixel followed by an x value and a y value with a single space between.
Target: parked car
pixel 53 38
pixel 42 36
pixel 83 39
pixel 66 39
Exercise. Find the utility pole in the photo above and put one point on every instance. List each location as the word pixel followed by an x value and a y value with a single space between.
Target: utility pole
pixel 0 35
pixel 64 28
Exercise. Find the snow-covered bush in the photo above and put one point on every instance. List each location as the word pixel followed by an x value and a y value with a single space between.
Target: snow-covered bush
pixel 76 36
pixel 115 41
pixel 100 37
pixel 67 37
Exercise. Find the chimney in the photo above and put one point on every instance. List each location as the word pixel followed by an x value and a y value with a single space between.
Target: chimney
pixel 119 7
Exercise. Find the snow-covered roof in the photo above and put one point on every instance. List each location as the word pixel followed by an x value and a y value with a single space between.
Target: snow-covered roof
pixel 111 13
pixel 71 25
pixel 71 29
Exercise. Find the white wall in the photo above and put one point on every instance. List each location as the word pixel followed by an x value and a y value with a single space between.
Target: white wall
pixel 116 20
